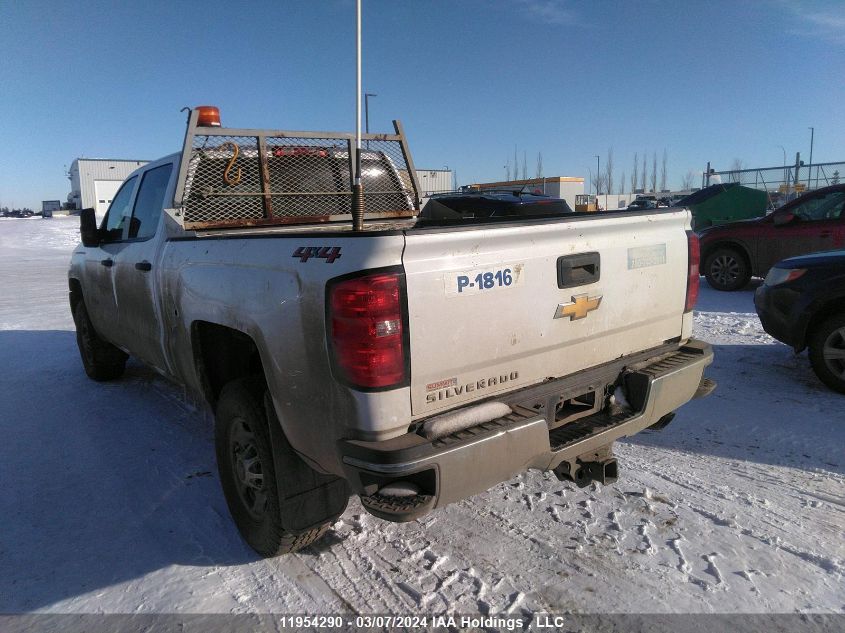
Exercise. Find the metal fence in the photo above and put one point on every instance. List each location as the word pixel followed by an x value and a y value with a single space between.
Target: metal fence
pixel 785 182
pixel 255 177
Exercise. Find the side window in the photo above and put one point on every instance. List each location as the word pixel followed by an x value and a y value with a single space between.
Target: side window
pixel 149 201
pixel 118 213
pixel 826 207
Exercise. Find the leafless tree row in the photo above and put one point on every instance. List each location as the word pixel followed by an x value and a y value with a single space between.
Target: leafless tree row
pixel 641 178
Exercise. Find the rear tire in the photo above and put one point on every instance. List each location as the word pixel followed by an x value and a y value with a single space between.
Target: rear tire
pixel 247 470
pixel 727 269
pixel 101 360
pixel 827 352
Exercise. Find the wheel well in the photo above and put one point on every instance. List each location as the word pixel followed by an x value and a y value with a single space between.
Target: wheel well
pixel 75 293
pixel 733 245
pixel 835 306
pixel 222 354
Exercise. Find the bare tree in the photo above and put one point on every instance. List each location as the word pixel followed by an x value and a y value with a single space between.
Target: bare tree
pixel 507 169
pixel 539 165
pixel 663 172
pixel 598 181
pixel 515 164
pixel 524 165
pixel 688 181
pixel 634 173
pixel 622 184
pixel 654 171
pixel 645 174
pixel 608 171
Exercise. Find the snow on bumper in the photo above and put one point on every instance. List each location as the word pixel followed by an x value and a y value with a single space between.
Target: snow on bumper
pixel 472 460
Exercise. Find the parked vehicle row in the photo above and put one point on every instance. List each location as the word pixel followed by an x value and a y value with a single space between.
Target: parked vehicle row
pixel 802 303
pixel 802 299
pixel 732 253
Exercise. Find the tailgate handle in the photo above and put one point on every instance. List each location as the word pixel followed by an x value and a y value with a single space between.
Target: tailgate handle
pixel 578 270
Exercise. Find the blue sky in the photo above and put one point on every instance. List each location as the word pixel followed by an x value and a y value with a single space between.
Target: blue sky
pixel 470 80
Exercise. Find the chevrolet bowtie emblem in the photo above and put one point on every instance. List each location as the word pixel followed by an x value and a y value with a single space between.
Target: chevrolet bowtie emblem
pixel 579 308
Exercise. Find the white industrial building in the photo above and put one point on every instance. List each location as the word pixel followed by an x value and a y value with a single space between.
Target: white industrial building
pixel 434 181
pixel 94 181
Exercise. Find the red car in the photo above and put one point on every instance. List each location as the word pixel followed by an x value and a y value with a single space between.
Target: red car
pixel 732 253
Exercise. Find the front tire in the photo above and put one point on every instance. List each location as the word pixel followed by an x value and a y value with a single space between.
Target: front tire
pixel 827 352
pixel 247 471
pixel 101 360
pixel 727 269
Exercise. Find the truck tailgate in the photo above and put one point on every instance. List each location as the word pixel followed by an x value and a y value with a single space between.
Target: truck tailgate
pixel 493 308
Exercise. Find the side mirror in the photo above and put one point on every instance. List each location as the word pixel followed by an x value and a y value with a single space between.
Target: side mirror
pixel 88 228
pixel 783 218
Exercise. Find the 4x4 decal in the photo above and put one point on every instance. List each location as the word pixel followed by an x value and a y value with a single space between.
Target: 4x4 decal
pixel 329 253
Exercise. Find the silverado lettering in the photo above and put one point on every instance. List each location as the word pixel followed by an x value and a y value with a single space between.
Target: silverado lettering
pixel 471 386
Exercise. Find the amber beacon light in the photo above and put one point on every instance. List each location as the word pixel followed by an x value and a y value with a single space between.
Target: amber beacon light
pixel 208 116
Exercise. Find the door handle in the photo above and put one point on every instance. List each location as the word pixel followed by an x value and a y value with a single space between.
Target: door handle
pixel 108 263
pixel 144 266
pixel 578 270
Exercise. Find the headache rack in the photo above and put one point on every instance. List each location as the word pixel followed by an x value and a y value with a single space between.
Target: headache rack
pixel 239 177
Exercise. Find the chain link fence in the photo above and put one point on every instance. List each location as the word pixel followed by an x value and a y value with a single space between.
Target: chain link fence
pixel 784 183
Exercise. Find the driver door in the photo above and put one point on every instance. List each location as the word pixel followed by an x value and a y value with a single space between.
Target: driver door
pixel 100 299
pixel 136 270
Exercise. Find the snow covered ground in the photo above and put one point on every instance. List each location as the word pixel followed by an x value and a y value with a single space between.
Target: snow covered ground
pixel 109 500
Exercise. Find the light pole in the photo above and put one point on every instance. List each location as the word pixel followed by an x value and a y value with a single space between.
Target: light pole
pixel 367 96
pixel 810 168
pixel 785 177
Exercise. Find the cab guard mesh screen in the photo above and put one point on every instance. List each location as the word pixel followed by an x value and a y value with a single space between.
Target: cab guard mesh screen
pixel 234 178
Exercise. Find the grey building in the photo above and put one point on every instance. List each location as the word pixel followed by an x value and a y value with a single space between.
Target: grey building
pixel 94 181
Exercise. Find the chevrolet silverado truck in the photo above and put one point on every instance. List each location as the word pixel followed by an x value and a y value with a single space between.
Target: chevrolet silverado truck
pixel 414 358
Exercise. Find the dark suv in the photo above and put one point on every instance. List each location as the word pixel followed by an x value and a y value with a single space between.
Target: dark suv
pixel 732 253
pixel 802 304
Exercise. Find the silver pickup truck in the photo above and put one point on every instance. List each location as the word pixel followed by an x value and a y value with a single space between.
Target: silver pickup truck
pixel 415 360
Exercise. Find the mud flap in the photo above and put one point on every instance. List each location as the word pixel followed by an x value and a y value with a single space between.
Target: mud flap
pixel 307 499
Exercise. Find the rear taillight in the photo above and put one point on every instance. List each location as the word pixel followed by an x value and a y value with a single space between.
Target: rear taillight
pixel 367 331
pixel 693 271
